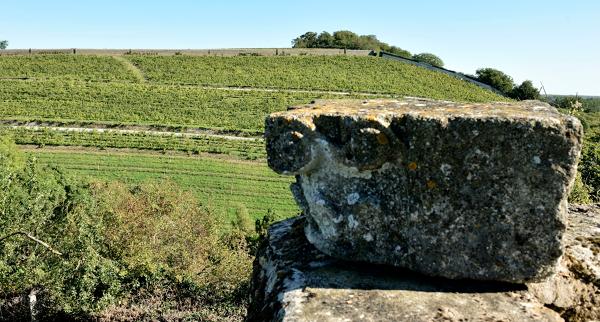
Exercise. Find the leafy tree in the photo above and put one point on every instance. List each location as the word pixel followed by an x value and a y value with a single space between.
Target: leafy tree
pixel 325 40
pixel 399 51
pixel 525 91
pixel 307 40
pixel 3 44
pixel 346 39
pixel 496 79
pixel 430 59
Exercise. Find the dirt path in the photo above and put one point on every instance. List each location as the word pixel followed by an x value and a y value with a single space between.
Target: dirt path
pixel 137 73
pixel 138 152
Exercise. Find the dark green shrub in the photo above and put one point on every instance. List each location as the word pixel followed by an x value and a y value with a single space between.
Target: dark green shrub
pixel 496 79
pixel 51 240
pixel 430 59
pixel 525 91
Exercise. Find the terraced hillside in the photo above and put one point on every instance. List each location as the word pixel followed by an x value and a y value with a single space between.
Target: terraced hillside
pixel 208 109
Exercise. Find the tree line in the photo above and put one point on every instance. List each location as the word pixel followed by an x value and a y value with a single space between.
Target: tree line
pixel 505 84
pixel 344 39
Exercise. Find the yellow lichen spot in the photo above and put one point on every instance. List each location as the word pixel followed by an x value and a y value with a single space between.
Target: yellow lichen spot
pixel 412 166
pixel 297 135
pixel 372 118
pixel 382 139
pixel 431 184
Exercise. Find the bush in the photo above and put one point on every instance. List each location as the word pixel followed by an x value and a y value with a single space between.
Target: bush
pixel 51 241
pixel 590 169
pixel 496 79
pixel 580 193
pixel 525 91
pixel 430 59
pixel 110 251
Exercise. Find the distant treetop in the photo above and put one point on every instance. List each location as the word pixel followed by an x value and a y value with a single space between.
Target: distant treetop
pixel 430 59
pixel 3 44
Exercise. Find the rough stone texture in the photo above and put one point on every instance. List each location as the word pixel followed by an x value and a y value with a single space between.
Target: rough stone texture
pixel 447 189
pixel 293 281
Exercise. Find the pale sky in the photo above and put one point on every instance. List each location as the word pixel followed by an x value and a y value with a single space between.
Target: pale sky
pixel 554 42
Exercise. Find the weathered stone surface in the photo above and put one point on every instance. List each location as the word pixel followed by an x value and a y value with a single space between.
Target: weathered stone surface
pixel 575 289
pixel 455 190
pixel 293 281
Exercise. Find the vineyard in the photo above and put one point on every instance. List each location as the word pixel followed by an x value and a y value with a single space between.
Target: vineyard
pixel 64 67
pixel 244 148
pixel 337 73
pixel 93 114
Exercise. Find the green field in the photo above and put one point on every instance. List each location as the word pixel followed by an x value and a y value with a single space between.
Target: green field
pixel 224 185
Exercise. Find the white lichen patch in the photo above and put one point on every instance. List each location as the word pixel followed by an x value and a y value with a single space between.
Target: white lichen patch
pixel 536 159
pixel 368 237
pixel 338 219
pixel 446 169
pixel 352 223
pixel 352 198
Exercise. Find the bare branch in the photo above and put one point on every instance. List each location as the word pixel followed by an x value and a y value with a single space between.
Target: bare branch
pixel 30 236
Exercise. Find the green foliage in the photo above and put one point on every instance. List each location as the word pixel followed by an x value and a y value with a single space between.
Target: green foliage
pixel 112 250
pixel 306 40
pixel 525 91
pixel 10 158
pixel 567 102
pixel 43 203
pixel 589 167
pixel 430 59
pixel 589 164
pixel 580 192
pixel 3 44
pixel 496 79
pixel 398 51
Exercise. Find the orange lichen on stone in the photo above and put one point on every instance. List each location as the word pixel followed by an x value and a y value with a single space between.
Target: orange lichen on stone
pixel 431 184
pixel 412 166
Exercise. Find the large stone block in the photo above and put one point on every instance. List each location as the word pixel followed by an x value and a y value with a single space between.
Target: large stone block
pixel 293 281
pixel 456 190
